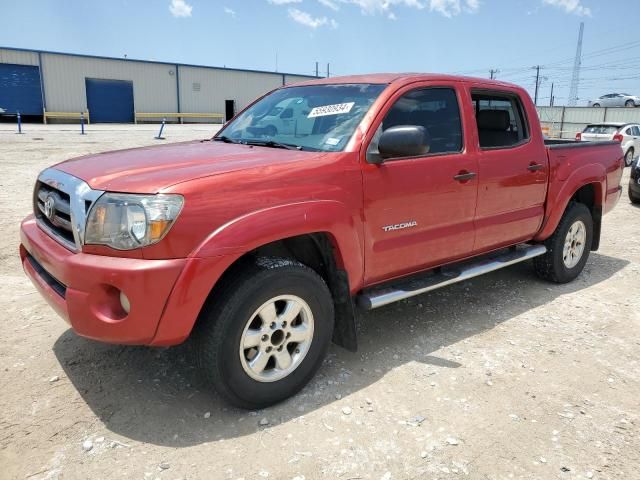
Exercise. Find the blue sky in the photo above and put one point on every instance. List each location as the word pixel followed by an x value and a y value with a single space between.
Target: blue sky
pixel 354 36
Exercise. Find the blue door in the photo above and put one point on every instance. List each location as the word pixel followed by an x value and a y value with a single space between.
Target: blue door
pixel 109 101
pixel 20 89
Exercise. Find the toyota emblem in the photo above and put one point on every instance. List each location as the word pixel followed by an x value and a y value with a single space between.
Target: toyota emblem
pixel 50 207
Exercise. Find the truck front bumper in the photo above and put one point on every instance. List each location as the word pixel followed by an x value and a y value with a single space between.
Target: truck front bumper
pixel 86 289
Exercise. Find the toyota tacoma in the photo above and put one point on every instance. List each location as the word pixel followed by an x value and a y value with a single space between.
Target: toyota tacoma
pixel 263 244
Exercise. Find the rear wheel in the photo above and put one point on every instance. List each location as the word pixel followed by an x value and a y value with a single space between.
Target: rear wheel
pixel 628 157
pixel 568 248
pixel 629 103
pixel 596 105
pixel 265 333
pixel 635 199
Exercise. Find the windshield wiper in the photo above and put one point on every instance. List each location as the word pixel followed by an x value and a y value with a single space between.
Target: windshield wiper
pixel 225 139
pixel 272 144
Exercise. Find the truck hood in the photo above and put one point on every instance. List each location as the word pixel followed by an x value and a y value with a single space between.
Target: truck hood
pixel 151 169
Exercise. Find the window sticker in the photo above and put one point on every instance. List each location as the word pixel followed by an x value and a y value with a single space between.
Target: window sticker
pixel 335 109
pixel 332 141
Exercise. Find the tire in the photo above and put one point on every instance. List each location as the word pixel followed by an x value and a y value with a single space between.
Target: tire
pixel 628 157
pixel 231 317
pixel 629 103
pixel 596 105
pixel 552 266
pixel 633 197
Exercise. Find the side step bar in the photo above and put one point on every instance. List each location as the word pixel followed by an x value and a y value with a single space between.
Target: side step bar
pixel 448 275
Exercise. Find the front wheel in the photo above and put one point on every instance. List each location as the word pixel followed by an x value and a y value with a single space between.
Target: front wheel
pixel 596 105
pixel 628 157
pixel 568 248
pixel 629 103
pixel 263 336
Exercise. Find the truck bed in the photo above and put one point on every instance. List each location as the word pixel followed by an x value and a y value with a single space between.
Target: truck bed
pixel 556 143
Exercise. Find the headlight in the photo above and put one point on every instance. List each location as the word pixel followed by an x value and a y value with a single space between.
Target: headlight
pixel 127 221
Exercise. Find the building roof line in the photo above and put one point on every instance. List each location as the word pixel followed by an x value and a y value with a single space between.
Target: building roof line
pixel 154 62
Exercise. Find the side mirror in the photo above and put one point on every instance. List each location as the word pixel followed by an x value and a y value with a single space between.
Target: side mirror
pixel 403 141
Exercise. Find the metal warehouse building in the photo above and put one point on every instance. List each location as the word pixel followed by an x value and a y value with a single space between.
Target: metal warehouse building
pixel 61 85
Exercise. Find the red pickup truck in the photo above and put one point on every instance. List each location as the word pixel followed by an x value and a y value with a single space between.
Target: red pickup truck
pixel 317 202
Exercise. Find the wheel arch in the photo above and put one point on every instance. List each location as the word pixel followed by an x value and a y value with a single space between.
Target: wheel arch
pixel 590 193
pixel 322 235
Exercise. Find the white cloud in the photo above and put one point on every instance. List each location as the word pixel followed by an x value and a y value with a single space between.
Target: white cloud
pixel 180 8
pixel 230 11
pixel 283 2
pixel 570 6
pixel 304 18
pixel 448 8
pixel 330 4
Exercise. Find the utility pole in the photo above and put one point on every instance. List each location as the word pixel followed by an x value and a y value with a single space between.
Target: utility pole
pixel 535 97
pixel 317 69
pixel 328 71
pixel 551 98
pixel 575 77
pixel 492 73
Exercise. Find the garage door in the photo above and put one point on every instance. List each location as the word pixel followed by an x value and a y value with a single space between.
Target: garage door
pixel 20 89
pixel 109 101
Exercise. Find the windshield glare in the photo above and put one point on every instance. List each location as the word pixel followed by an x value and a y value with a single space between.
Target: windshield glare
pixel 318 117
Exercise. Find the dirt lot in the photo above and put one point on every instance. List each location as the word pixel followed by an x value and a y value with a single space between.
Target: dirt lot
pixel 501 377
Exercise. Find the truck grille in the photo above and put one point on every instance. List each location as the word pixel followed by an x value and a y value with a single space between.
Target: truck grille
pixel 61 203
pixel 54 211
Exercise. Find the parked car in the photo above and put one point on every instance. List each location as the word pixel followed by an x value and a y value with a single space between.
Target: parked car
pixel 615 100
pixel 265 248
pixel 628 134
pixel 634 182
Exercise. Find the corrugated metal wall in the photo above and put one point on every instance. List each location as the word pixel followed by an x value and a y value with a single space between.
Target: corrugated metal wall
pixel 289 79
pixel 565 122
pixel 154 85
pixel 206 89
pixel 18 57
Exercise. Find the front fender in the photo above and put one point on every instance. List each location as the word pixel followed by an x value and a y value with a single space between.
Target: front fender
pixel 566 183
pixel 267 225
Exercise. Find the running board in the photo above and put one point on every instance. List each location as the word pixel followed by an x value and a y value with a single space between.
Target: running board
pixel 448 275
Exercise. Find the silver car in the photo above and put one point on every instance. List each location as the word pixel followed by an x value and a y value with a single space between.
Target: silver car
pixel 628 134
pixel 615 100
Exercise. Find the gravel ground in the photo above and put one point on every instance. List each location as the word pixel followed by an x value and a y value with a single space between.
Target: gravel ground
pixel 504 376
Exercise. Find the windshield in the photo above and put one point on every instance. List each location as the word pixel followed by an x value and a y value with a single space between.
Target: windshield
pixel 601 129
pixel 316 117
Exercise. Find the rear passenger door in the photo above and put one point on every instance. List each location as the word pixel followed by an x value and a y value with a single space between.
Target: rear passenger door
pixel 512 172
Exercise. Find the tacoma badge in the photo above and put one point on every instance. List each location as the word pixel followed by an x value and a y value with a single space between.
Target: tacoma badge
pixel 400 226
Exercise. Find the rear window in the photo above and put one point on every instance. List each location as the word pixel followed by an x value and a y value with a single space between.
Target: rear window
pixel 605 129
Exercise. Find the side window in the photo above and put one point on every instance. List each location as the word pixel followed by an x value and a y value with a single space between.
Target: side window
pixel 436 109
pixel 636 131
pixel 500 120
pixel 628 131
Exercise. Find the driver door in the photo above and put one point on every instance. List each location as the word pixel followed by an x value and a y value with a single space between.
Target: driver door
pixel 420 210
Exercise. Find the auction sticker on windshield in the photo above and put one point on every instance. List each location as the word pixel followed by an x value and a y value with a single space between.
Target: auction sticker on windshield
pixel 335 109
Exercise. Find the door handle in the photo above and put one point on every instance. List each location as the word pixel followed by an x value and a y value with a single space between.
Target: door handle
pixel 463 176
pixel 534 167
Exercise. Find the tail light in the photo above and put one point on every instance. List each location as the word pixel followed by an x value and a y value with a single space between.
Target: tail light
pixel 578 136
pixel 618 137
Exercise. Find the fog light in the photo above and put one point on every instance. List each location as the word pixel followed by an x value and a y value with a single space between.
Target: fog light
pixel 124 302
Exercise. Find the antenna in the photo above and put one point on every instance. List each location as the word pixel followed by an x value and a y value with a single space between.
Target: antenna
pixel 575 77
